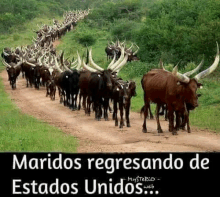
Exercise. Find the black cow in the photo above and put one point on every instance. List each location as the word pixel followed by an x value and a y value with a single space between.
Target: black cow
pixel 37 76
pixel 74 88
pixel 13 72
pixel 100 88
pixel 9 57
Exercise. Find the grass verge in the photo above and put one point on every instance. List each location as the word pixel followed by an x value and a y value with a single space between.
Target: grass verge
pixel 18 131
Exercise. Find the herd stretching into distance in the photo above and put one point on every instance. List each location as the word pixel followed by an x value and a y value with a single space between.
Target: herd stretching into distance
pixel 40 64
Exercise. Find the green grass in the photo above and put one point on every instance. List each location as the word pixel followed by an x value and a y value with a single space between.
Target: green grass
pixel 20 132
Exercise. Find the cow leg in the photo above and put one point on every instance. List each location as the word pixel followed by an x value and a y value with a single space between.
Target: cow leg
pixel 158 119
pixel 151 115
pixel 79 105
pixel 178 120
pixel 146 107
pixel 121 114
pixel 127 110
pixel 27 82
pixel 166 113
pixel 115 117
pixel 87 108
pixel 88 104
pixel 106 106
pixel 186 119
pixel 54 93
pixel 187 122
pixel 171 120
pixel 75 101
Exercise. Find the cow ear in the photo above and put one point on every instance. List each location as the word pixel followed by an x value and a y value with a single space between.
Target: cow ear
pixel 199 85
pixel 199 95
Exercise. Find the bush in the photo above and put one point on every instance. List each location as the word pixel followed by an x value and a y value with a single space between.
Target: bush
pixel 87 40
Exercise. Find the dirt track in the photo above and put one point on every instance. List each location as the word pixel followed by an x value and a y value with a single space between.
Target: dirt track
pixel 103 136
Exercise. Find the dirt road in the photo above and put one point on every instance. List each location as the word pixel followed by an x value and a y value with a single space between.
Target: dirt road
pixel 103 136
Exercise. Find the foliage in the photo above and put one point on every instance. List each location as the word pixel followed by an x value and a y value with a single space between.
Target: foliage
pixel 180 30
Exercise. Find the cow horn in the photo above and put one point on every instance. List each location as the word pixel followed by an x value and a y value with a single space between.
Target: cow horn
pixel 93 63
pixel 56 65
pixel 188 74
pixel 112 62
pixel 181 77
pixel 19 63
pixel 5 54
pixel 124 61
pixel 74 63
pixel 6 64
pixel 211 68
pixel 30 64
pixel 88 68
pixel 113 66
pixel 131 46
pixel 79 62
pixel 136 50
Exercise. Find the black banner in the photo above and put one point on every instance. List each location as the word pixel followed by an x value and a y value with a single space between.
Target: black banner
pixel 136 174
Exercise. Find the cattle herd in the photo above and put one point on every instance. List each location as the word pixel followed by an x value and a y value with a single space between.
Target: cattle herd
pixel 88 84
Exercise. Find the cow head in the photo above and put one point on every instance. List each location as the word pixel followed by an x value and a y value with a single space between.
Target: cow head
pixel 106 74
pixel 191 85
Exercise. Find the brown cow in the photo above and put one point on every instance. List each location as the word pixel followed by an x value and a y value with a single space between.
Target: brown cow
pixel 174 90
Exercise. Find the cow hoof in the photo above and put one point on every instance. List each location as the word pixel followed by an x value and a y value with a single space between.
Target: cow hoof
pixel 144 130
pixel 106 119
pixel 174 133
pixel 189 131
pixel 160 131
pixel 128 125
pixel 116 124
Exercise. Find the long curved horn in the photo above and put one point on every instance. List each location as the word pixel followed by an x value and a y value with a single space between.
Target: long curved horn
pixel 188 74
pixel 30 64
pixel 211 68
pixel 6 64
pixel 56 65
pixel 131 46
pixel 112 62
pixel 88 68
pixel 93 63
pixel 124 61
pixel 74 63
pixel 79 62
pixel 113 66
pixel 181 77
pixel 5 54
pixel 136 50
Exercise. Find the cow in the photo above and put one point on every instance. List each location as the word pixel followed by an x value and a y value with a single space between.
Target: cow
pixel 174 90
pixel 13 71
pixel 84 88
pixel 9 57
pixel 100 86
pixel 122 94
pixel 37 76
pixel 51 89
pixel 116 49
pixel 28 69
pixel 74 88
